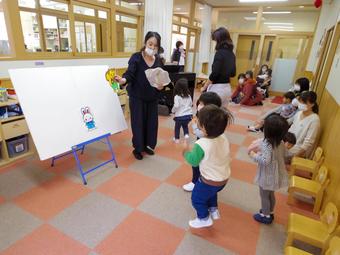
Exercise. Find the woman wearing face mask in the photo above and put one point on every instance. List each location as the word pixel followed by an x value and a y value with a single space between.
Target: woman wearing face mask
pixel 143 97
pixel 301 85
pixel 223 67
pixel 178 55
pixel 306 125
pixel 246 92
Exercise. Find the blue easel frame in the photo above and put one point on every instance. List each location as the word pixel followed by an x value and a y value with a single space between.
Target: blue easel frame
pixel 81 147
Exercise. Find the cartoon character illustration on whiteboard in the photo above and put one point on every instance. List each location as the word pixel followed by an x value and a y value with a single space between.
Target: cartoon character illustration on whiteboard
pixel 109 75
pixel 88 118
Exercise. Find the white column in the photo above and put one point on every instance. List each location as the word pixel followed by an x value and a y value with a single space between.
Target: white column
pixel 205 40
pixel 158 18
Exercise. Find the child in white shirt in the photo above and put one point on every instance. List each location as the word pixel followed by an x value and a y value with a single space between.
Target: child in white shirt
pixel 182 109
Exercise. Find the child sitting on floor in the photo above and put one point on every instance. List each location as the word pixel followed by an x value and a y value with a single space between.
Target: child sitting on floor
pixel 287 110
pixel 271 171
pixel 206 98
pixel 182 109
pixel 212 154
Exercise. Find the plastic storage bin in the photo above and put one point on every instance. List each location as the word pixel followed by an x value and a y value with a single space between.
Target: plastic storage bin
pixel 17 146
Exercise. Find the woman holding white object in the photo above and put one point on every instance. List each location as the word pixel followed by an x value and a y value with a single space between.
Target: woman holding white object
pixel 223 67
pixel 143 98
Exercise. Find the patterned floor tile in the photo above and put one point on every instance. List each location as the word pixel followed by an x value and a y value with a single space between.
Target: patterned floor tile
pixel 47 240
pixel 48 199
pixel 156 166
pixel 140 229
pixel 247 116
pixel 237 129
pixel 20 180
pixel 181 176
pixel 272 238
pixel 129 187
pixel 15 223
pixel 91 219
pixel 243 171
pixel 178 214
pixel 194 245
pixel 242 154
pixel 235 231
pixel 235 138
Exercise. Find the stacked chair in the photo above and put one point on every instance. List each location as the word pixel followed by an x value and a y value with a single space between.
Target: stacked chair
pixel 333 249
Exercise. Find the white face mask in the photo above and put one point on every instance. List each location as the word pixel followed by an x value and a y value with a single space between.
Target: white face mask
pixel 149 51
pixel 181 47
pixel 241 81
pixel 295 102
pixel 297 87
pixel 303 107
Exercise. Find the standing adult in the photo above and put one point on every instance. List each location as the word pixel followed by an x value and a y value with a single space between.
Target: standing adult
pixel 178 55
pixel 223 67
pixel 143 97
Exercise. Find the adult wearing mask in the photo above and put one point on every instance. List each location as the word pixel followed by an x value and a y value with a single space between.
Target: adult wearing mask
pixel 143 97
pixel 306 125
pixel 223 67
pixel 178 56
pixel 246 92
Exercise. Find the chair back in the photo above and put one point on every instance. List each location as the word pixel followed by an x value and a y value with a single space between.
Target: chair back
pixel 318 154
pixel 322 175
pixel 334 246
pixel 329 217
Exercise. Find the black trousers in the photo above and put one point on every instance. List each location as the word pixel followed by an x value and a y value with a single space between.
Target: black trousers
pixel 144 123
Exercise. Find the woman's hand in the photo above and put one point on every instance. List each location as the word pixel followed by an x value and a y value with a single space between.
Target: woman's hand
pixel 206 85
pixel 120 80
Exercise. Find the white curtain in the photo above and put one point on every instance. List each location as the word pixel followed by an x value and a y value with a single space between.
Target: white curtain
pixel 205 40
pixel 158 18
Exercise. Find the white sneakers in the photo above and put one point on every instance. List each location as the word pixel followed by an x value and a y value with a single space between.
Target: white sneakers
pixel 215 214
pixel 175 140
pixel 189 186
pixel 201 223
pixel 186 136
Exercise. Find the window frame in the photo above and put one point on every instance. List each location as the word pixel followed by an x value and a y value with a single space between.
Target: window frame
pixel 8 31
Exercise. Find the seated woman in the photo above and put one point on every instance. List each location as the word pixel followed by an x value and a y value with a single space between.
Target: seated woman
pixel 301 85
pixel 306 125
pixel 246 92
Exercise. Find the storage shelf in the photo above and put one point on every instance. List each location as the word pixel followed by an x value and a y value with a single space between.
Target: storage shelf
pixel 9 102
pixel 11 160
pixel 12 118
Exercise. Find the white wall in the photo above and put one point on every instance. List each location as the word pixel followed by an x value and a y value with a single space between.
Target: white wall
pixel 112 62
pixel 328 17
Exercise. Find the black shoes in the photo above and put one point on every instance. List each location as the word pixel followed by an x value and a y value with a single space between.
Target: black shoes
pixel 149 151
pixel 137 155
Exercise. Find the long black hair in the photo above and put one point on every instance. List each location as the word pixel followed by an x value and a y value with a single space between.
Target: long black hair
pixel 181 88
pixel 178 44
pixel 223 40
pixel 260 71
pixel 275 128
pixel 149 35
pixel 304 84
pixel 310 97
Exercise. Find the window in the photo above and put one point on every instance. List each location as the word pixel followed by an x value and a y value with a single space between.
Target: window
pixel 4 42
pixel 102 14
pixel 53 5
pixel 83 10
pixel 126 33
pixel 131 4
pixel 184 30
pixel 30 29
pixel 175 28
pixel 86 36
pixel 57 34
pixel 27 3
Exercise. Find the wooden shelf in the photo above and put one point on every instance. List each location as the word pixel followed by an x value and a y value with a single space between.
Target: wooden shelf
pixel 11 160
pixel 12 118
pixel 9 102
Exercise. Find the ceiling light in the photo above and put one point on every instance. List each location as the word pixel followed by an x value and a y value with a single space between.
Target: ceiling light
pixel 201 8
pixel 281 29
pixel 183 13
pixel 282 12
pixel 259 1
pixel 178 8
pixel 253 18
pixel 278 23
pixel 269 7
pixel 284 27
pixel 135 3
pixel 301 6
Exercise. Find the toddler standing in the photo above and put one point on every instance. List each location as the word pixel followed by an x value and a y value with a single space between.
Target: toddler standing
pixel 212 154
pixel 182 109
pixel 271 172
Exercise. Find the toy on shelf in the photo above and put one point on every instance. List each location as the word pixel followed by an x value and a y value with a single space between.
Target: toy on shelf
pixel 110 75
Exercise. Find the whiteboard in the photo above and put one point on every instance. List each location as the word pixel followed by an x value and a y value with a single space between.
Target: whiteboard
pixel 52 100
pixel 334 76
pixel 283 74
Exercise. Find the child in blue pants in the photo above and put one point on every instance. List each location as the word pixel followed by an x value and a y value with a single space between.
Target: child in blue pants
pixel 212 154
pixel 206 98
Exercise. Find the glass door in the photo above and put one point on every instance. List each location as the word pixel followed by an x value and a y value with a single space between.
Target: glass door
pixel 246 52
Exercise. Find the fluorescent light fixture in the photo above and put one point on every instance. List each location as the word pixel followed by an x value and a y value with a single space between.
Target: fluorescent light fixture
pixel 183 13
pixel 301 6
pixel 279 23
pixel 279 12
pixel 252 18
pixel 136 4
pixel 201 8
pixel 268 7
pixel 178 8
pixel 261 1
pixel 281 29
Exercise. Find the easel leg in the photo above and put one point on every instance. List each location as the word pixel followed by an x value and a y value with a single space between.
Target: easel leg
pixel 52 163
pixel 82 150
pixel 79 166
pixel 111 150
